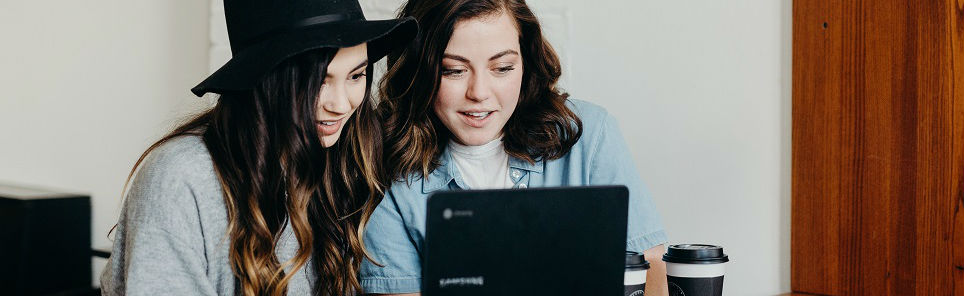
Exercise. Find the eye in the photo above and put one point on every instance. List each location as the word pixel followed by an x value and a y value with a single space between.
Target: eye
pixel 454 73
pixel 504 70
pixel 358 76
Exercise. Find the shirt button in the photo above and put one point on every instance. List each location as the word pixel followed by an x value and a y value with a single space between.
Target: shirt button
pixel 523 186
pixel 516 174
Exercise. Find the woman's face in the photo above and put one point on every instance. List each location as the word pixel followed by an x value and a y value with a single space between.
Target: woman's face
pixel 481 78
pixel 343 90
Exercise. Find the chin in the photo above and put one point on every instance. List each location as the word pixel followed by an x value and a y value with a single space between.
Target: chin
pixel 329 140
pixel 477 140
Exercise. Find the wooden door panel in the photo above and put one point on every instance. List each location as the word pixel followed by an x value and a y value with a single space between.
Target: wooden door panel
pixel 877 147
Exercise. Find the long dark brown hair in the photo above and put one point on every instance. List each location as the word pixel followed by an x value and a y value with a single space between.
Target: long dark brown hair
pixel 274 170
pixel 542 126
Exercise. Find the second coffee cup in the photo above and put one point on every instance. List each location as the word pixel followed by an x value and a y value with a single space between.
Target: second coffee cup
pixel 695 269
pixel 634 279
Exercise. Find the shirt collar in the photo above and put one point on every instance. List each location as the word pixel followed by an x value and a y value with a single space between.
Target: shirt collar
pixel 442 175
pixel 447 172
pixel 525 165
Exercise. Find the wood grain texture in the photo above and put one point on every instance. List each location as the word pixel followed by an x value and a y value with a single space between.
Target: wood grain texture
pixel 955 15
pixel 878 134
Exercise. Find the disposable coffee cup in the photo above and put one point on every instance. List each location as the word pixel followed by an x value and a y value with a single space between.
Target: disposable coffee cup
pixel 695 270
pixel 634 279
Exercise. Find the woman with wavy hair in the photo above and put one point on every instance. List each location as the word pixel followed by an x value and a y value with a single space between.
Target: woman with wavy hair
pixel 473 104
pixel 268 192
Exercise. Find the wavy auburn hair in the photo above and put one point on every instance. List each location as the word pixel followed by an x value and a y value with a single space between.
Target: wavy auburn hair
pixel 274 170
pixel 542 126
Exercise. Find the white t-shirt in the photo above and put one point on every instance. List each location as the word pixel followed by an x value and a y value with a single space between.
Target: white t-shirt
pixel 482 167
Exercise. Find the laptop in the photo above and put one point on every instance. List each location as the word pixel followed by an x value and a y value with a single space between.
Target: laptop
pixel 544 241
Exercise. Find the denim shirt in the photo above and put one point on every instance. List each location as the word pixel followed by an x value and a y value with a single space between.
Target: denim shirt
pixel 395 234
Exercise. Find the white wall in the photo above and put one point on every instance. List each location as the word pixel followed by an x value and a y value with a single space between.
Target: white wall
pixel 699 90
pixel 698 87
pixel 702 92
pixel 86 86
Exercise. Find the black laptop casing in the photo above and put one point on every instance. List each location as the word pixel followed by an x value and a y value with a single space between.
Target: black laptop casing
pixel 545 241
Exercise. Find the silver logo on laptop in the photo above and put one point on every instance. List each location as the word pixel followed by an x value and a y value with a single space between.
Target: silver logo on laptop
pixel 449 213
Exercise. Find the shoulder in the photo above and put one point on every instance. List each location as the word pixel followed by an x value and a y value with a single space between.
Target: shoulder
pixel 595 119
pixel 407 189
pixel 183 154
pixel 587 111
pixel 183 158
pixel 176 171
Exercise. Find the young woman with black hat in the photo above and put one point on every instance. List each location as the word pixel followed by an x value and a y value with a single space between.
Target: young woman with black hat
pixel 484 112
pixel 267 193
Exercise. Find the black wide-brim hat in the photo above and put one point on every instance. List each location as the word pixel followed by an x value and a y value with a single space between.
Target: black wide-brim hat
pixel 256 49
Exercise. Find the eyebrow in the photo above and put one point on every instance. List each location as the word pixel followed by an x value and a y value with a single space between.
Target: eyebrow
pixel 360 65
pixel 503 53
pixel 465 60
pixel 455 57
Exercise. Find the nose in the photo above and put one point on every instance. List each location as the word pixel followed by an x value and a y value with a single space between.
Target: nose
pixel 479 89
pixel 334 98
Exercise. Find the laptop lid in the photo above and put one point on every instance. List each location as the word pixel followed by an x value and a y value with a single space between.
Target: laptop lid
pixel 544 241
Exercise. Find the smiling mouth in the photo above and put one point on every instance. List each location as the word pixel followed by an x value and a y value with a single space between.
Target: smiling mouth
pixel 328 127
pixel 476 119
pixel 477 115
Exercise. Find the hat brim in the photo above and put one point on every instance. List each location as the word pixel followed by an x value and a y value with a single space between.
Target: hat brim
pixel 246 68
